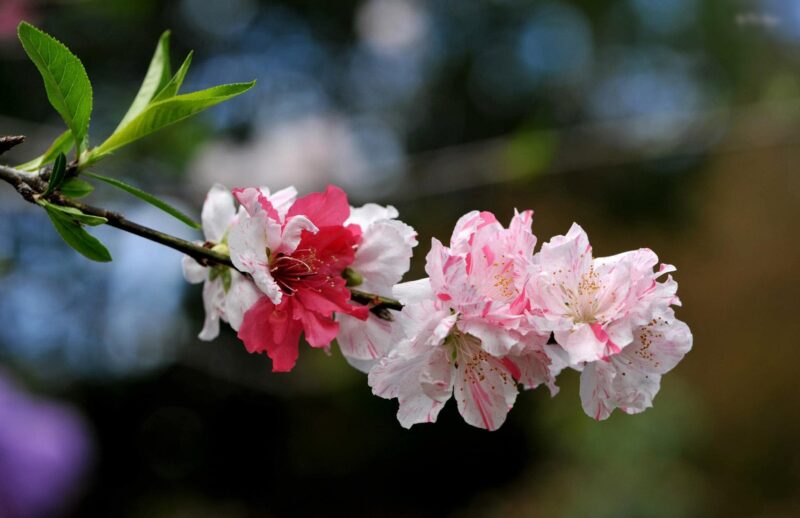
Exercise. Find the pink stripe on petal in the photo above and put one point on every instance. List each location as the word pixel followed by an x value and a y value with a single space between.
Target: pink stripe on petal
pixel 481 398
pixel 512 368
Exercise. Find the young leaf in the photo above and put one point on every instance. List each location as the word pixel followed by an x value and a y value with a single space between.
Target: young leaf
pixel 68 87
pixel 74 235
pixel 154 81
pixel 63 144
pixel 76 188
pixel 57 175
pixel 174 84
pixel 149 198
pixel 75 214
pixel 169 111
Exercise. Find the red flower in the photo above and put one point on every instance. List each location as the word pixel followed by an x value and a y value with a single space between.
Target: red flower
pixel 309 275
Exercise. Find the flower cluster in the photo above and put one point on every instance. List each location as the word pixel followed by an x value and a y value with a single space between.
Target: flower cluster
pixel 492 315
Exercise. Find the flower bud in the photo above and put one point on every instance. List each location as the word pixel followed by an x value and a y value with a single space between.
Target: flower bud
pixel 352 277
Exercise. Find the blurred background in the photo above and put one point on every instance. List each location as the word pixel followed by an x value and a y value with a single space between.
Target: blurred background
pixel 666 124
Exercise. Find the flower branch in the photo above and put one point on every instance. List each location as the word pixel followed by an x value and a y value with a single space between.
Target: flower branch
pixel 31 187
pixel 493 314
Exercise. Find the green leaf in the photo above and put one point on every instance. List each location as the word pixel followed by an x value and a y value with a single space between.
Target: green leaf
pixel 174 84
pixel 76 188
pixel 154 81
pixel 169 111
pixel 149 198
pixel 68 87
pixel 63 144
pixel 57 175
pixel 74 214
pixel 76 237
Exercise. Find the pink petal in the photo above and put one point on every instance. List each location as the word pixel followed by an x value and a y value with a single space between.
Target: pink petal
pixel 484 388
pixel 314 301
pixel 266 330
pixel 324 209
pixel 254 201
pixel 319 330
pixel 533 368
pixel 581 344
pixel 467 225
pixel 631 379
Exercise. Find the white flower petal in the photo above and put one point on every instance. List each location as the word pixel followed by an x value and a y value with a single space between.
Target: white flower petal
pixel 247 241
pixel 218 212
pixel 382 257
pixel 364 341
pixel 241 296
pixel 293 232
pixel 436 376
pixel 213 297
pixel 193 272
pixel 596 380
pixel 413 291
pixel 494 339
pixel 283 200
pixel 369 214
pixel 398 376
pixel 364 366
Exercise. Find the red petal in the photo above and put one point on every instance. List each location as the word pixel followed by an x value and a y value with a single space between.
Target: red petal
pixel 266 330
pixel 324 209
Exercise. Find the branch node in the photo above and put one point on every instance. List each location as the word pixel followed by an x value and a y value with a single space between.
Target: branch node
pixel 26 192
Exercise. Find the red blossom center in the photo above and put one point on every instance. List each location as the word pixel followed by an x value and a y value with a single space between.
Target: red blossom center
pixel 289 271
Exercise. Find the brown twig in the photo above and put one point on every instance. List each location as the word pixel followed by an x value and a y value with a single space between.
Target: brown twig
pixel 375 302
pixel 7 143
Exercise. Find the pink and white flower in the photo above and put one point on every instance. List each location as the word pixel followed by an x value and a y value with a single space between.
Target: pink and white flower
pixel 465 329
pixel 612 317
pixel 382 257
pixel 296 251
pixel 227 294
pixel 434 360
pixel 631 379
pixel 593 305
pixel 483 276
